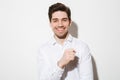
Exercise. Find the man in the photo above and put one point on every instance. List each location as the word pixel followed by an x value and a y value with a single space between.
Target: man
pixel 64 57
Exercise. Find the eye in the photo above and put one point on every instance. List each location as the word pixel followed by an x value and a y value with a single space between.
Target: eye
pixel 65 19
pixel 54 20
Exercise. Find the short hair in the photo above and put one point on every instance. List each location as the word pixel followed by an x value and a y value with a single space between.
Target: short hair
pixel 59 7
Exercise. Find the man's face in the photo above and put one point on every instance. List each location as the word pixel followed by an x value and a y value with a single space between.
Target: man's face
pixel 60 23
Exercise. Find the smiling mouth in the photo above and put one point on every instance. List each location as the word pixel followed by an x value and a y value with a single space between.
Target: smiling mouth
pixel 60 29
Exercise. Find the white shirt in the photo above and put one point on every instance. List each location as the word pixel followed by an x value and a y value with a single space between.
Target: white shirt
pixel 50 54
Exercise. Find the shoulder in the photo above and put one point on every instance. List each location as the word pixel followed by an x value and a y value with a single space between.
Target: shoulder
pixel 82 47
pixel 79 42
pixel 47 44
pixel 44 45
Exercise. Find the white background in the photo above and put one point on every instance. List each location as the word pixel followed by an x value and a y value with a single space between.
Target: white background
pixel 24 25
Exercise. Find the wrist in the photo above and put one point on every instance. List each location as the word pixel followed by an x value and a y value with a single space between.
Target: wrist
pixel 60 65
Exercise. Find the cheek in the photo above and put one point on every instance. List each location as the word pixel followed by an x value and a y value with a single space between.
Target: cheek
pixel 53 24
pixel 53 27
pixel 67 23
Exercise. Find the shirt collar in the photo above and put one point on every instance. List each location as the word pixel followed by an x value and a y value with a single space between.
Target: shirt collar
pixel 69 39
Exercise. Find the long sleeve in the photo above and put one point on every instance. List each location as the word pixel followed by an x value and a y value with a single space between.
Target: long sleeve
pixel 85 65
pixel 46 71
pixel 51 52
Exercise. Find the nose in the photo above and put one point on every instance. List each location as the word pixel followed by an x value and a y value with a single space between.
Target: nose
pixel 60 24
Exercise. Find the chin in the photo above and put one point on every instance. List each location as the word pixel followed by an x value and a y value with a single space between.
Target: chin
pixel 62 36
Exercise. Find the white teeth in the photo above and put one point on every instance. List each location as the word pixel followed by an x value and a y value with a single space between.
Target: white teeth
pixel 60 29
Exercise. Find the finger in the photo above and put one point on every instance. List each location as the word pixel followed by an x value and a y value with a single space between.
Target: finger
pixel 72 57
pixel 74 51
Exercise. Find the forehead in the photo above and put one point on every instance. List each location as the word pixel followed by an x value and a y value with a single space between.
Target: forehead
pixel 59 15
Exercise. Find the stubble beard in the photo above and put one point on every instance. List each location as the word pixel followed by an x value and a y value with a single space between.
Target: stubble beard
pixel 63 36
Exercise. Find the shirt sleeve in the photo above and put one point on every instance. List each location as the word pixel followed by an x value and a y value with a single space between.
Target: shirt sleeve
pixel 85 65
pixel 46 71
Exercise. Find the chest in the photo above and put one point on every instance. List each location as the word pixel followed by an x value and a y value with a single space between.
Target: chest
pixel 54 53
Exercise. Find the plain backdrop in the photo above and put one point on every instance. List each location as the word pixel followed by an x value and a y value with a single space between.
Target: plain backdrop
pixel 24 25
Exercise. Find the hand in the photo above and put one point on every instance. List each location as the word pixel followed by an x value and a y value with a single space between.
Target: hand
pixel 69 55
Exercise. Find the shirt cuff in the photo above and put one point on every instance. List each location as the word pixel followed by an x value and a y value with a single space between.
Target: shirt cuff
pixel 58 71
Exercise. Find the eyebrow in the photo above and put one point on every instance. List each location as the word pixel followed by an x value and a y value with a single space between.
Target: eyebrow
pixel 57 18
pixel 54 18
pixel 65 18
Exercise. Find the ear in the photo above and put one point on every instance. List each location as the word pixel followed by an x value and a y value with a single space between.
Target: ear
pixel 50 24
pixel 70 23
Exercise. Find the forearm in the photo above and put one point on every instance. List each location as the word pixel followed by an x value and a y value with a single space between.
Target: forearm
pixel 85 65
pixel 53 73
pixel 86 70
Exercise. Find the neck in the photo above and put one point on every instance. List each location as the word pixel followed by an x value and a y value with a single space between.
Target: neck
pixel 61 40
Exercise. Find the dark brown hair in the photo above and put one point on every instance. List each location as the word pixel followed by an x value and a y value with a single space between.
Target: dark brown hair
pixel 59 7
